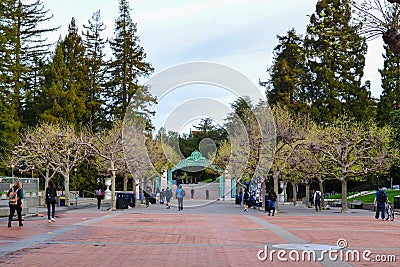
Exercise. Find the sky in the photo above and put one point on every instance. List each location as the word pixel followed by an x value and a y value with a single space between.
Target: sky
pixel 240 34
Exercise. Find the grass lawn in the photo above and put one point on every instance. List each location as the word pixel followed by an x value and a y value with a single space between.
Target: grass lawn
pixel 370 198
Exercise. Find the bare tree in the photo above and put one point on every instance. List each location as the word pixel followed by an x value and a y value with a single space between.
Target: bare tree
pixel 37 147
pixel 107 146
pixel 348 150
pixel 53 148
pixel 379 18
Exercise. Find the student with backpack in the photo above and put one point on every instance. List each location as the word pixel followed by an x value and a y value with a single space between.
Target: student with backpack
pixel 380 201
pixel 272 202
pixel 15 202
pixel 317 200
pixel 51 194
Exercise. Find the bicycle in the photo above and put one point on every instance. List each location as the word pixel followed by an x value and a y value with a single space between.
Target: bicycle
pixel 389 211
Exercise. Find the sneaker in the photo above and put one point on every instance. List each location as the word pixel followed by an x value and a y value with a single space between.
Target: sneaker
pixel 53 219
pixel 49 221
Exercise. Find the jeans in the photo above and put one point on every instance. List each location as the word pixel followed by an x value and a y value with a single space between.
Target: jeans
pixel 317 205
pixel 53 209
pixel 380 206
pixel 14 208
pixel 180 203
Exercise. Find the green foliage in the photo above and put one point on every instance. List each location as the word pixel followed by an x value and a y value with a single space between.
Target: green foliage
pixel 390 96
pixel 66 85
pixel 287 72
pixel 335 60
pixel 126 67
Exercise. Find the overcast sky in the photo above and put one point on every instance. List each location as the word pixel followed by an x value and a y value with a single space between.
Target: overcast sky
pixel 238 33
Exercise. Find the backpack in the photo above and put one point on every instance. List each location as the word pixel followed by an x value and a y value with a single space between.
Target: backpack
pixel 13 197
pixel 317 196
pixel 382 196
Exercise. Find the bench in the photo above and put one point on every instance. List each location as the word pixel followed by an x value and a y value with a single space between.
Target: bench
pixel 356 204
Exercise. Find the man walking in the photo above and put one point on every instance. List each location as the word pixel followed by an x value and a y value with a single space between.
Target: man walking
pixel 168 196
pixel 317 200
pixel 380 201
pixel 180 193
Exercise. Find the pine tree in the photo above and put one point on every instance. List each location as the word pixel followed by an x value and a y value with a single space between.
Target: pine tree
pixel 28 50
pixel 390 96
pixel 9 120
pixel 336 59
pixel 66 85
pixel 287 72
pixel 94 46
pixel 126 67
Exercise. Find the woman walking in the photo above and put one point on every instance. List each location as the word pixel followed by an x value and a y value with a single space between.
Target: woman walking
pixel 51 194
pixel 16 202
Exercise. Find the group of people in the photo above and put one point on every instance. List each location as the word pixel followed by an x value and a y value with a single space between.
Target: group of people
pixel 165 196
pixel 270 201
pixel 16 202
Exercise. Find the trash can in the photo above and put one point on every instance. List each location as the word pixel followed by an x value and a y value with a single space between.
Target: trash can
pixel 238 199
pixel 121 201
pixel 62 200
pixel 396 203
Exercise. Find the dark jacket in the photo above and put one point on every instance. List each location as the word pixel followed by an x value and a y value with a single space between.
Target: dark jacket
pixel 51 194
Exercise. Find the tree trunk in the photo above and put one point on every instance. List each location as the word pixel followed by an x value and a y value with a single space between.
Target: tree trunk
pixel 276 189
pixel 125 187
pixel 67 200
pixel 113 200
pixel 308 194
pixel 345 209
pixel 321 189
pixel 294 193
pixel 263 192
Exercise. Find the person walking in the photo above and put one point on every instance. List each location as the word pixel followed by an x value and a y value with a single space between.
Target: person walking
pixel 180 194
pixel 246 199
pixel 379 202
pixel 192 193
pixel 99 196
pixel 317 200
pixel 272 202
pixel 207 194
pixel 162 196
pixel 16 202
pixel 168 196
pixel 51 194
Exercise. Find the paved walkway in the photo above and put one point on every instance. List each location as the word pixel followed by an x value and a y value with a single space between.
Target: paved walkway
pixel 203 234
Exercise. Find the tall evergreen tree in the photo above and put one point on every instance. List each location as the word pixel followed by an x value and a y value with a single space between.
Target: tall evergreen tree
pixel 66 85
pixel 126 67
pixel 28 50
pixel 336 59
pixel 9 120
pixel 287 72
pixel 390 96
pixel 94 45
